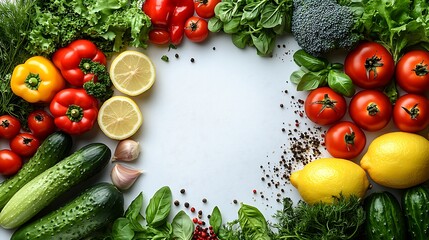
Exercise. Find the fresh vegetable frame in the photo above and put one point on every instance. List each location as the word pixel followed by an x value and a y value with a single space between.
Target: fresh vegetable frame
pixel 54 54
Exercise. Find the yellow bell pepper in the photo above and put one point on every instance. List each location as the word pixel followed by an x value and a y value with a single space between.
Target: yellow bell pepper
pixel 37 80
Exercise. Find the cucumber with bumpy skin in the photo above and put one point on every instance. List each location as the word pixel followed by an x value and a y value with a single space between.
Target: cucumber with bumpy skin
pixel 53 149
pixel 95 208
pixel 384 218
pixel 46 187
pixel 415 202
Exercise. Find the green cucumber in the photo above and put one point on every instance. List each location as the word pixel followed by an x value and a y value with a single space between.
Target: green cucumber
pixel 53 149
pixel 95 208
pixel 46 187
pixel 415 202
pixel 384 218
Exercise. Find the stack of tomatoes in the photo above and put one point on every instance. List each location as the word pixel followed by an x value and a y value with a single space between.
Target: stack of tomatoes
pixel 372 68
pixel 23 144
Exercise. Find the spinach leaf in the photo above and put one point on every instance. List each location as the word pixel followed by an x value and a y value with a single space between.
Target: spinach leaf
pixel 253 223
pixel 215 24
pixel 341 83
pixel 272 15
pixel 232 26
pixel 241 39
pixel 264 42
pixel 216 220
pixel 252 10
pixel 159 207
pixel 122 230
pixel 183 227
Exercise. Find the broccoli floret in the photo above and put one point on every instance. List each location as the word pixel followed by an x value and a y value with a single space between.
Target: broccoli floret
pixel 320 26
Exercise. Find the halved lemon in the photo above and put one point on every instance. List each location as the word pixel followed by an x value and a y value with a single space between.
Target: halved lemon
pixel 132 72
pixel 119 117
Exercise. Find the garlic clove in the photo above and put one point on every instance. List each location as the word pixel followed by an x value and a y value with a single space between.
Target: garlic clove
pixel 124 177
pixel 126 150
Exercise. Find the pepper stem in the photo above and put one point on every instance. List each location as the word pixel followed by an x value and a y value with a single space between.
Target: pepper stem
pixel 32 81
pixel 74 113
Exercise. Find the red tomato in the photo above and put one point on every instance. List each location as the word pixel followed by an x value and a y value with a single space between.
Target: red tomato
pixel 324 106
pixel 9 126
pixel 345 140
pixel 10 162
pixel 24 144
pixel 205 8
pixel 412 71
pixel 369 65
pixel 41 123
pixel 411 113
pixel 196 29
pixel 159 36
pixel 371 110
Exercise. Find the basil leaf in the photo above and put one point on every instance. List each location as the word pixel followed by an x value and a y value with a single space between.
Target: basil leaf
pixel 337 66
pixel 232 26
pixel 215 24
pixel 183 227
pixel 311 80
pixel 296 76
pixel 133 210
pixel 216 220
pixel 271 15
pixel 253 223
pixel 314 64
pixel 264 42
pixel 341 83
pixel 159 207
pixel 121 229
pixel 241 40
pixel 252 10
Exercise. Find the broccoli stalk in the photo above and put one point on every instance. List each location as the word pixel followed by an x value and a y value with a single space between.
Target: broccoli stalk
pixel 101 86
pixel 320 26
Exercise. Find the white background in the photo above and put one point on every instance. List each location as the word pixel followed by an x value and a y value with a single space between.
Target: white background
pixel 210 125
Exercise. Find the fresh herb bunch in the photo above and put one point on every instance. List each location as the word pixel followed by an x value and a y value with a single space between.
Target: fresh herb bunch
pixel 253 22
pixel 111 25
pixel 16 17
pixel 343 219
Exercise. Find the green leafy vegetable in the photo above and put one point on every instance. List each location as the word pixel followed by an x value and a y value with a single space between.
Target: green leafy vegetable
pixel 253 223
pixel 183 227
pixel 111 25
pixel 159 207
pixel 216 220
pixel 254 23
pixel 341 82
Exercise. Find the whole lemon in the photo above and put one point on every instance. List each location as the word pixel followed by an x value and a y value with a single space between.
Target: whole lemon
pixel 322 179
pixel 397 160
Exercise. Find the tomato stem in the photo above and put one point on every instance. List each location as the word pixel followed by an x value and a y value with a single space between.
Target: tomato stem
pixel 421 69
pixel 371 65
pixel 349 138
pixel 327 103
pixel 413 112
pixel 372 109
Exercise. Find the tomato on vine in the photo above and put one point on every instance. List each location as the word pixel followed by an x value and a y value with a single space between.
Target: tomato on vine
pixel 369 65
pixel 24 144
pixel 205 8
pixel 412 71
pixel 345 140
pixel 41 123
pixel 9 126
pixel 371 110
pixel 324 106
pixel 196 29
pixel 411 113
pixel 10 162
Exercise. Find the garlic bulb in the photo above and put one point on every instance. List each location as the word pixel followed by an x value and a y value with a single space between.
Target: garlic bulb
pixel 126 150
pixel 124 177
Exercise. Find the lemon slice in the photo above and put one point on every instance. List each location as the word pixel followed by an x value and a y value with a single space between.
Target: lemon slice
pixel 119 117
pixel 132 73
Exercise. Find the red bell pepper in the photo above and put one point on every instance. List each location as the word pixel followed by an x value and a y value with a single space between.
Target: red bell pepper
pixel 78 62
pixel 74 111
pixel 169 15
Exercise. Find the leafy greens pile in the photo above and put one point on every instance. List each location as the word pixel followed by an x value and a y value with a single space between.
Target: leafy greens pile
pixel 111 25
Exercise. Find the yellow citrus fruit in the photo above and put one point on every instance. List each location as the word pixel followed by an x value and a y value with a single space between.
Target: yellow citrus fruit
pixel 119 117
pixel 397 160
pixel 322 179
pixel 132 72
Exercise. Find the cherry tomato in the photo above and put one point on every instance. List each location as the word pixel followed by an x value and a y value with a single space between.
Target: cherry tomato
pixel 10 162
pixel 324 106
pixel 369 65
pixel 9 126
pixel 41 123
pixel 371 110
pixel 412 71
pixel 205 8
pixel 411 113
pixel 196 29
pixel 345 140
pixel 159 36
pixel 24 144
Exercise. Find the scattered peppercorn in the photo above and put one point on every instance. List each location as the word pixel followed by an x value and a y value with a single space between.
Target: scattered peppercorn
pixel 182 191
pixel 176 203
pixel 176 55
pixel 192 60
pixel 204 200
pixel 186 205
pixel 235 201
pixel 192 209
